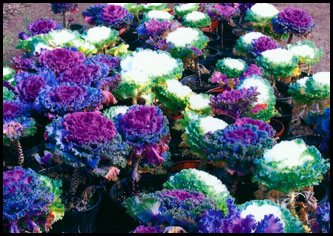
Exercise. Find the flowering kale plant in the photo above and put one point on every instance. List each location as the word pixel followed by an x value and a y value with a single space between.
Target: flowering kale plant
pixel 196 127
pixel 232 68
pixel 223 11
pixel 159 65
pixel 87 139
pixel 243 44
pixel 113 16
pixel 278 63
pixel 196 19
pixel 29 85
pixel 236 221
pixel 112 63
pixel 306 51
pixel 184 9
pixel 146 130
pixel 141 229
pixel 201 181
pixel 311 89
pixel 260 14
pixel 293 20
pixel 24 63
pixel 264 107
pixel 238 144
pixel 153 28
pixel 185 42
pixel 40 26
pixel 170 207
pixel 32 202
pixel 68 98
pixel 234 103
pixel 262 44
pixel 286 171
pixel 270 217
pixel 173 95
pixel 16 124
pixel 59 60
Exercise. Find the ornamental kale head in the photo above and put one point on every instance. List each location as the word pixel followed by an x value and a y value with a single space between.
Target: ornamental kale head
pixel 68 98
pixel 29 85
pixel 153 28
pixel 238 144
pixel 234 103
pixel 293 20
pixel 170 207
pixel 113 16
pixel 31 202
pixel 215 221
pixel 262 44
pixel 145 128
pixel 42 26
pixel 87 139
pixel 60 59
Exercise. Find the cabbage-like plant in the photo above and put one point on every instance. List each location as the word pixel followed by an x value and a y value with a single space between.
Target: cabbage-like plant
pixel 145 129
pixel 287 171
pixel 197 19
pixel 195 130
pixel 240 143
pixel 265 211
pixel 201 181
pixel 264 106
pixel 169 207
pixel 87 139
pixel 183 9
pixel 32 202
pixel 16 125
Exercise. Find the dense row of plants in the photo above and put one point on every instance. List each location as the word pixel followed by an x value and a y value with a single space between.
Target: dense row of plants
pixel 139 94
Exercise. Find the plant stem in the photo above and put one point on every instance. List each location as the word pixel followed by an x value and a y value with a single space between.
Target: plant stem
pixel 291 205
pixel 221 33
pixel 20 152
pixel 135 173
pixel 199 72
pixel 290 38
pixel 64 19
pixel 134 100
pixel 75 181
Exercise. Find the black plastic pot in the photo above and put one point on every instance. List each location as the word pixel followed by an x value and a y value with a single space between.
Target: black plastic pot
pixel 85 219
pixel 241 187
pixel 286 114
pixel 283 90
pixel 214 39
pixel 193 82
pixel 78 27
pixel 277 126
pixel 211 58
